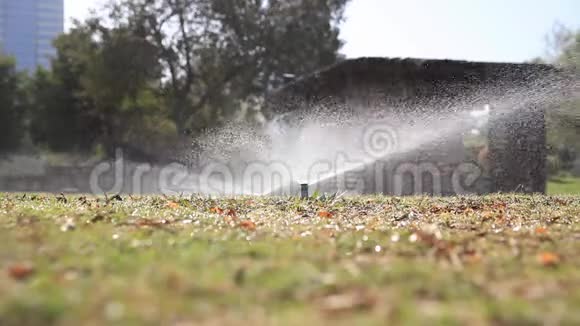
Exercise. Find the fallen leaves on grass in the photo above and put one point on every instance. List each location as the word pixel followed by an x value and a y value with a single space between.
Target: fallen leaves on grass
pixel 549 259
pixel 172 205
pixel 439 248
pixel 248 225
pixel 500 206
pixel 232 213
pixel 562 202
pixel 325 214
pixel 20 271
pixel 228 213
pixel 433 240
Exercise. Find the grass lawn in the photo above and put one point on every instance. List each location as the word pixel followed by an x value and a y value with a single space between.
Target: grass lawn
pixel 564 185
pixel 362 260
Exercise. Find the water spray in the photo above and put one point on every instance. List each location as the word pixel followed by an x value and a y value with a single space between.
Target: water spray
pixel 330 142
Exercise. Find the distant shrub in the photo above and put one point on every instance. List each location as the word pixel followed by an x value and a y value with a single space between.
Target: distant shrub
pixel 11 106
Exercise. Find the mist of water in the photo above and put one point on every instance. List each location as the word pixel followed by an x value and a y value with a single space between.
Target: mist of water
pixel 340 137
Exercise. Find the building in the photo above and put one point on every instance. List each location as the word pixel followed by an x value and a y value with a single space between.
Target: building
pixel 514 142
pixel 27 29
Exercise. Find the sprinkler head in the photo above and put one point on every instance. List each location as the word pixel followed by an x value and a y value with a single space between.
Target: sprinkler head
pixel 304 191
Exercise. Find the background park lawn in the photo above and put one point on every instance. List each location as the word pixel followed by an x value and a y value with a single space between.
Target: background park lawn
pixel 564 185
pixel 368 260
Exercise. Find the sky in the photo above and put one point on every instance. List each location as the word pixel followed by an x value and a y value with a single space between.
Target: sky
pixel 482 30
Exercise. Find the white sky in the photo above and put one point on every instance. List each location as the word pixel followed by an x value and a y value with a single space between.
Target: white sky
pixel 487 30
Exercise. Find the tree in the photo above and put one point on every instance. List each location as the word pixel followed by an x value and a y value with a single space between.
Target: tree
pixel 62 115
pixel 563 47
pixel 564 120
pixel 101 89
pixel 121 79
pixel 215 53
pixel 153 69
pixel 12 106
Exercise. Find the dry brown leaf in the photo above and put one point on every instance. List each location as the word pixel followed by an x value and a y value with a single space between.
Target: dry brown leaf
pixel 488 215
pixel 562 202
pixel 437 209
pixel 216 210
pixel 442 247
pixel 325 214
pixel 144 222
pixel 501 206
pixel 471 256
pixel 541 231
pixel 172 205
pixel 248 225
pixel 549 259
pixel 20 271
pixel 232 213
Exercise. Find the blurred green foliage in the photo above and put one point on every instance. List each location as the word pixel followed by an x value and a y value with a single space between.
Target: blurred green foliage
pixel 145 75
pixel 11 105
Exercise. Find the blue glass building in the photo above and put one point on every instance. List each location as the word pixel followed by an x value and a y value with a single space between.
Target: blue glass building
pixel 27 29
